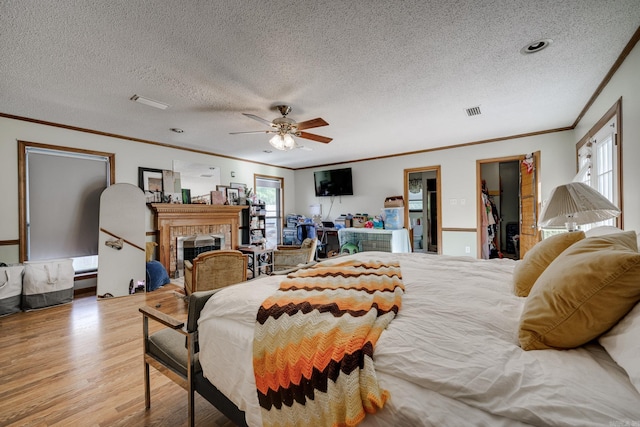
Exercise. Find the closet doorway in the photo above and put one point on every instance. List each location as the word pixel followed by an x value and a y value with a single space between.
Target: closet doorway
pixel 422 208
pixel 508 205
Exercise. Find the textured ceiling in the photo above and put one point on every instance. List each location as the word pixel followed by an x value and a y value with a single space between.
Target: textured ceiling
pixel 388 76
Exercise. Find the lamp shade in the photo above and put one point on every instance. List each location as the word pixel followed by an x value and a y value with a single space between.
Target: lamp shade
pixel 576 203
pixel 284 142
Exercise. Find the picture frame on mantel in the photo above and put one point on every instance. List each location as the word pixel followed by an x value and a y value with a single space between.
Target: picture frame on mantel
pixel 150 181
pixel 233 195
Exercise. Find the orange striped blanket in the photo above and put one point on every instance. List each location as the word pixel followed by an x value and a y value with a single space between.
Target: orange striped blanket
pixel 314 340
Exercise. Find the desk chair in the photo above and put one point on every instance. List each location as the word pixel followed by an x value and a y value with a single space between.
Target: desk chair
pixel 305 231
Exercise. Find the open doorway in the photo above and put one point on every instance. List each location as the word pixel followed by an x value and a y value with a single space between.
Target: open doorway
pixel 422 208
pixel 501 199
pixel 508 205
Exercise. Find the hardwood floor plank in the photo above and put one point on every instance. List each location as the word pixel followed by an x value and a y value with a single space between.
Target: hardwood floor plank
pixel 81 364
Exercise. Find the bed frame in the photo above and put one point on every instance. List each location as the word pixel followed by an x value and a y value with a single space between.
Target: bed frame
pixel 202 385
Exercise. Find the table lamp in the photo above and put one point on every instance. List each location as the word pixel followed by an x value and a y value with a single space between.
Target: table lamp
pixel 574 204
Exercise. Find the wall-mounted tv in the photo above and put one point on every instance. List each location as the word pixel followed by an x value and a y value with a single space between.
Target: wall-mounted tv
pixel 336 182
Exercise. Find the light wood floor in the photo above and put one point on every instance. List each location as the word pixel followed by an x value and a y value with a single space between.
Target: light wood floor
pixel 80 364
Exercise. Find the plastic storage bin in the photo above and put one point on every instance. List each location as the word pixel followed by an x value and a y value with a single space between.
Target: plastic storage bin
pixel 393 218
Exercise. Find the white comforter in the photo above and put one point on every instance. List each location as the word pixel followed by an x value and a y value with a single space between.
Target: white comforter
pixel 450 357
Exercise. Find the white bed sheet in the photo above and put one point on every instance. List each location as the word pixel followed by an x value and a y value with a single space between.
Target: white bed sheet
pixel 450 357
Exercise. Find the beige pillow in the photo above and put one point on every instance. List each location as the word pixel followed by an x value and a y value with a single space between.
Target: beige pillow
pixel 582 293
pixel 538 258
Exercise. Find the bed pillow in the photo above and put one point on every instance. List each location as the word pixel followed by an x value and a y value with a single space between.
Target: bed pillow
pixel 537 259
pixel 622 343
pixel 582 293
pixel 602 231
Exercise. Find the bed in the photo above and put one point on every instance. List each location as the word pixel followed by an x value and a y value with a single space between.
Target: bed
pixel 452 354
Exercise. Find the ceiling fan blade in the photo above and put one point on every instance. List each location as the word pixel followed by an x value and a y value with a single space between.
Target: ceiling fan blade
pixel 260 119
pixel 313 123
pixel 253 131
pixel 315 137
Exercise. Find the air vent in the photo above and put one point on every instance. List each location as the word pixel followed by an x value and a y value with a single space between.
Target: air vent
pixel 473 111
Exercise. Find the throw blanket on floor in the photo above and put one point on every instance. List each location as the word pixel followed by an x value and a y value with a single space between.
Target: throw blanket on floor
pixel 314 340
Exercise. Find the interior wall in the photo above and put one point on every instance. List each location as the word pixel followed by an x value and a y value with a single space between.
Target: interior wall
pixel 376 179
pixel 626 84
pixel 373 180
pixel 129 156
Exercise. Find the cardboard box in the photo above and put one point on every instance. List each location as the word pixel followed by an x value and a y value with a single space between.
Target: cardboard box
pixel 394 202
pixel 359 220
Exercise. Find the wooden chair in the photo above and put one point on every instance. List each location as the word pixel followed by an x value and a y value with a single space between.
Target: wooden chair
pixel 288 257
pixel 174 350
pixel 214 269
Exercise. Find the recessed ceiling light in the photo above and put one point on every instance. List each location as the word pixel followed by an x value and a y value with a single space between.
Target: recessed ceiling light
pixel 536 46
pixel 149 102
pixel 176 130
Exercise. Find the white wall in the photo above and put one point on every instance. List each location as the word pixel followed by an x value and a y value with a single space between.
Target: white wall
pixel 372 180
pixel 376 179
pixel 129 156
pixel 626 84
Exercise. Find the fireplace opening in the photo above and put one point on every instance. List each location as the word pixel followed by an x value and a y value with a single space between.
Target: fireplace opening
pixel 189 247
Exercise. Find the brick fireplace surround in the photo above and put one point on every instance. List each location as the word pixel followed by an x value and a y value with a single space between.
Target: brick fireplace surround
pixel 174 220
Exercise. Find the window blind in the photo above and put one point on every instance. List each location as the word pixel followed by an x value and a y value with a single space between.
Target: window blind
pixel 63 202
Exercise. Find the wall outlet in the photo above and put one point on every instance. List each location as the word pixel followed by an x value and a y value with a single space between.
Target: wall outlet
pixel 467 249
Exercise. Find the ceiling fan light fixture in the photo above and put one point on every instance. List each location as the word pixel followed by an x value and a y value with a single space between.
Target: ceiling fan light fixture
pixel 282 142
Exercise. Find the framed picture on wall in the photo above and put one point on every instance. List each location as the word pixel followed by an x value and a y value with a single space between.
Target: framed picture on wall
pixel 239 186
pixel 150 181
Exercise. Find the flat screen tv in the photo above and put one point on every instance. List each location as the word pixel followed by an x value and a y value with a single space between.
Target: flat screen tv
pixel 336 182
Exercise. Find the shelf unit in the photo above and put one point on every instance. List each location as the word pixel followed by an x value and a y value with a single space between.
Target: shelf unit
pixel 253 224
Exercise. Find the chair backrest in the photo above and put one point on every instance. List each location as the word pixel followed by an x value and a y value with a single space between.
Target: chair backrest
pixel 306 231
pixel 197 300
pixel 289 258
pixel 217 269
pixel 311 244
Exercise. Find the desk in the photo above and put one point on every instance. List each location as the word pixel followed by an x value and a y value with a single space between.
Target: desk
pixel 259 260
pixel 374 239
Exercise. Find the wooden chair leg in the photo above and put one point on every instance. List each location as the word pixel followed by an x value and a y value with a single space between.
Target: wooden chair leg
pixel 192 411
pixel 147 390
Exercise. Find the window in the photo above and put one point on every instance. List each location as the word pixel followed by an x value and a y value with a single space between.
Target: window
pixel 59 203
pixel 599 161
pixel 269 190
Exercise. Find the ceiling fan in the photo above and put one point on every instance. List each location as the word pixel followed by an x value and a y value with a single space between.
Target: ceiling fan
pixel 285 129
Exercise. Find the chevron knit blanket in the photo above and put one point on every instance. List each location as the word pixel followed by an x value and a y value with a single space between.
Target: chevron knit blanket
pixel 314 340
